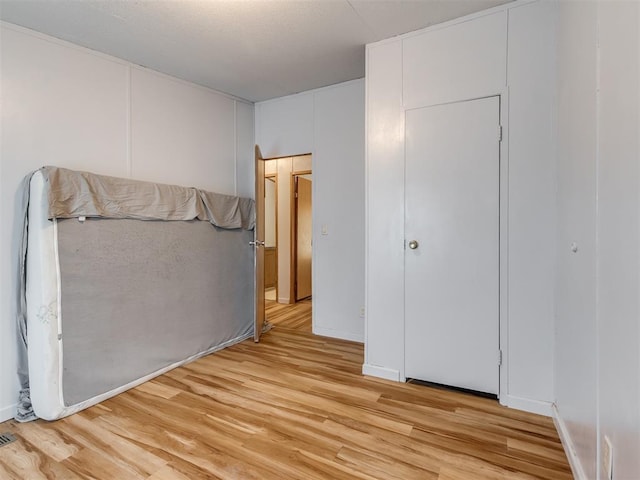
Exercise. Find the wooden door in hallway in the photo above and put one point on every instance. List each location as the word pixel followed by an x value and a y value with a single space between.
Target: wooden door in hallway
pixel 303 234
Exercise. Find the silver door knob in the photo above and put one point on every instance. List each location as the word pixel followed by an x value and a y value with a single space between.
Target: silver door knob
pixel 413 244
pixel 257 243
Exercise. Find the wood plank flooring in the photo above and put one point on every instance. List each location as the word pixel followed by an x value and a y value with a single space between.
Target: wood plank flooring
pixel 296 316
pixel 294 406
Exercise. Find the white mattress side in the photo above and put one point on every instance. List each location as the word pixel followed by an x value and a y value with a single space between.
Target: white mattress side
pixel 43 309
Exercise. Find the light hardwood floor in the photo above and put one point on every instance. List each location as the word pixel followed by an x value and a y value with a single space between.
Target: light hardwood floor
pixel 294 406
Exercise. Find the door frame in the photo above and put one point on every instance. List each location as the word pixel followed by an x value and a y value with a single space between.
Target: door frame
pixel 503 269
pixel 292 173
pixel 293 263
pixel 490 346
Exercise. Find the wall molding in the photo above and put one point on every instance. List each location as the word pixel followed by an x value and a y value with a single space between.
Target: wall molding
pixel 538 407
pixel 342 335
pixel 381 372
pixel 7 413
pixel 567 444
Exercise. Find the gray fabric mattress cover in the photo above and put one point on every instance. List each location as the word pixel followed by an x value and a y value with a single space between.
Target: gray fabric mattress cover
pixel 150 275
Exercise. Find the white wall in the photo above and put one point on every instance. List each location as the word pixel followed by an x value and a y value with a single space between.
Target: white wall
pixel 245 142
pixel 285 126
pixel 532 200
pixel 329 123
pixel 384 330
pixel 576 289
pixel 68 106
pixel 464 60
pixel 618 224
pixel 270 207
pixel 597 373
pixel 338 211
pixel 483 57
pixel 174 123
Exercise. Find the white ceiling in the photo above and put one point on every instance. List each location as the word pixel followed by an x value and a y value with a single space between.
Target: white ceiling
pixel 253 49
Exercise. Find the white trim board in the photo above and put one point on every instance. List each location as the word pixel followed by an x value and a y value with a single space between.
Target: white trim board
pixel 329 332
pixel 381 372
pixel 538 407
pixel 8 412
pixel 567 444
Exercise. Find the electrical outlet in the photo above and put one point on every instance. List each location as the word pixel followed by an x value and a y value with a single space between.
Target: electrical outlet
pixel 361 312
pixel 607 458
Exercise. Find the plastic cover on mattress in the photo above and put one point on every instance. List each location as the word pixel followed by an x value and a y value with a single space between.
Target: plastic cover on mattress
pixel 111 302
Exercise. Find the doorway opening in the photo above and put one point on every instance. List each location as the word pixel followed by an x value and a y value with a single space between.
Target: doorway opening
pixel 288 229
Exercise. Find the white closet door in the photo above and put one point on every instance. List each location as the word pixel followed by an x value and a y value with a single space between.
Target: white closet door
pixel 452 165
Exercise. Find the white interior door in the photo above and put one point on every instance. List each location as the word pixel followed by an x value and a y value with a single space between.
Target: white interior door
pixel 452 270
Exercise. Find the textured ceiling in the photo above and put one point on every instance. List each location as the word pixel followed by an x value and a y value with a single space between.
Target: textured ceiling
pixel 253 49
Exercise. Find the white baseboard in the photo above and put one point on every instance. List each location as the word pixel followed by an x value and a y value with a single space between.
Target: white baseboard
pixel 528 405
pixel 569 449
pixel 329 332
pixel 8 412
pixel 381 372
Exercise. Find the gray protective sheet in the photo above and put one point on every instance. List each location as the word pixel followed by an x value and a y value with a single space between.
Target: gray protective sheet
pixel 146 295
pixel 75 194
pixel 24 412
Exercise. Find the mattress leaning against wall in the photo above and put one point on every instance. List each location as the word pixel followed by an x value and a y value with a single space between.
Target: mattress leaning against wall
pixel 117 294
